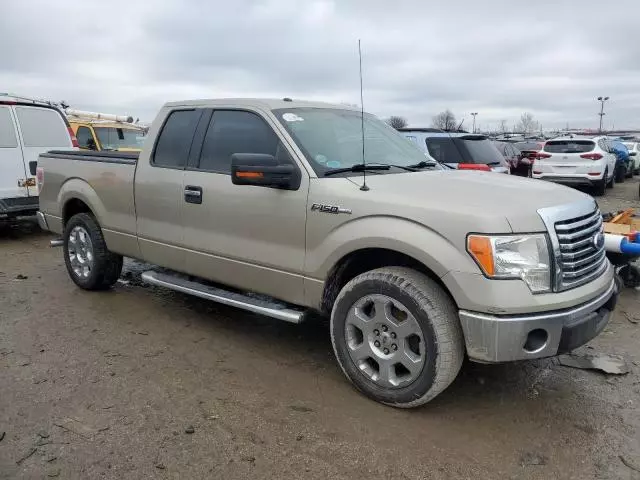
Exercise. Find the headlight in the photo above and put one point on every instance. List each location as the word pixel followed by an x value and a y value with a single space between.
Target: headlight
pixel 514 256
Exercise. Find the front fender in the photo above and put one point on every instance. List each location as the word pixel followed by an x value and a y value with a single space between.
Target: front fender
pixel 398 234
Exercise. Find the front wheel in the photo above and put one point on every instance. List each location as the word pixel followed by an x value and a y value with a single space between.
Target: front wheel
pixel 397 336
pixel 90 264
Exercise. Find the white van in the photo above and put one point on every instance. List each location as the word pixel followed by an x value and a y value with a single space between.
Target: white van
pixel 27 128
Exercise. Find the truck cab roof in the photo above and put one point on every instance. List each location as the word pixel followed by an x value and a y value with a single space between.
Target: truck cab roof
pixel 263 103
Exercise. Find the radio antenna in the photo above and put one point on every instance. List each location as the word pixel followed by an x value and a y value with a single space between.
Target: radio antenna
pixel 364 186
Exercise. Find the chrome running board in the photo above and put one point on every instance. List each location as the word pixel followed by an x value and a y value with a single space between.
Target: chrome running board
pixel 256 305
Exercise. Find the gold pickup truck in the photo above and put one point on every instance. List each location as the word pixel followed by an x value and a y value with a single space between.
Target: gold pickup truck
pixel 319 208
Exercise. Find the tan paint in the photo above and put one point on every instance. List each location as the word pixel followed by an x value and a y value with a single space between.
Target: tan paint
pixel 269 241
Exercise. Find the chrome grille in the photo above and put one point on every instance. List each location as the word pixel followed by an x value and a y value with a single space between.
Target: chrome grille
pixel 580 260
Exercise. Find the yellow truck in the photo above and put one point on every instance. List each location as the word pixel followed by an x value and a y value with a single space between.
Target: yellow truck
pixel 105 132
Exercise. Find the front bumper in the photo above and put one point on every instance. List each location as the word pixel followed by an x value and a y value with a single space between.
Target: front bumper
pixel 504 338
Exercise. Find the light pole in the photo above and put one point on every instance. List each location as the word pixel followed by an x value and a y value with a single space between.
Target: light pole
pixel 473 114
pixel 602 114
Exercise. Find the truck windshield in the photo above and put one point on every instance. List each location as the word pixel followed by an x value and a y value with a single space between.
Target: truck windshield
pixel 114 138
pixel 332 138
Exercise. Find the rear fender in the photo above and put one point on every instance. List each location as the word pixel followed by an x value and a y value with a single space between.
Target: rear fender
pixel 76 188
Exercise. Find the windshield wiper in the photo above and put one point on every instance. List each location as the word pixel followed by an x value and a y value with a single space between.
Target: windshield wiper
pixel 423 164
pixel 358 167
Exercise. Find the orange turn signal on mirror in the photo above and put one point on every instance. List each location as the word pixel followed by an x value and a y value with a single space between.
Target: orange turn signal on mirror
pixel 249 174
pixel 480 249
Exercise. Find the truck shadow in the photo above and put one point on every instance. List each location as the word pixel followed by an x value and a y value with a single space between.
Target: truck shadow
pixel 24 228
pixel 477 387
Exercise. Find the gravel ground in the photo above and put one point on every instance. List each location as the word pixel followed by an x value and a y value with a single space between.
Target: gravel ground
pixel 140 382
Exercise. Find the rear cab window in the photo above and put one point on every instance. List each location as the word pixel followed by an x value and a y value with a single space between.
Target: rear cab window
pixel 42 127
pixel 85 138
pixel 569 146
pixel 174 142
pixel 443 150
pixel 478 149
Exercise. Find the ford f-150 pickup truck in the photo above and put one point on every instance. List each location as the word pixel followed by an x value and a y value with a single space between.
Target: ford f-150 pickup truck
pixel 264 205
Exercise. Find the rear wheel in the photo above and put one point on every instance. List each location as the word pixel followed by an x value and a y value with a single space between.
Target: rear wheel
pixel 90 264
pixel 397 336
pixel 620 173
pixel 601 186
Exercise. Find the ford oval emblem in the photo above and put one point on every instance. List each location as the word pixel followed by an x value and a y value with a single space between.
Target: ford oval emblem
pixel 598 241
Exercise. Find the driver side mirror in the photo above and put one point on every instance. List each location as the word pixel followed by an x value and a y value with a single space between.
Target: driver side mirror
pixel 632 154
pixel 263 170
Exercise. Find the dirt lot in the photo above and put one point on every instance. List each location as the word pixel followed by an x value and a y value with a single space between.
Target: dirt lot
pixel 108 385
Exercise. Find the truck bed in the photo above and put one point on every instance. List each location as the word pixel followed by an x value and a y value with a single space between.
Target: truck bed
pixel 101 180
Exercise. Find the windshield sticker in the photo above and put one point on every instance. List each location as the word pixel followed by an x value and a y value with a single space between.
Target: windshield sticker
pixel 292 117
pixel 333 164
pixel 321 158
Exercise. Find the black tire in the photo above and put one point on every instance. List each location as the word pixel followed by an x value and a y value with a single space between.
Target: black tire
pixel 620 174
pixel 437 317
pixel 611 182
pixel 600 188
pixel 106 266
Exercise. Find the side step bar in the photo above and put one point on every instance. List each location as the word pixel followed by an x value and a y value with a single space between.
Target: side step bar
pixel 233 299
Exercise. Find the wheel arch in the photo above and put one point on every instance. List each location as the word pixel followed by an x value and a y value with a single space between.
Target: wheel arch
pixel 363 260
pixel 77 196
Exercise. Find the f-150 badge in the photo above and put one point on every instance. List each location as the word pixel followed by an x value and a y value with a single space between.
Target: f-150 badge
pixel 321 207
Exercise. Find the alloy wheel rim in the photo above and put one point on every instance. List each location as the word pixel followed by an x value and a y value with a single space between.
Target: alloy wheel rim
pixel 385 341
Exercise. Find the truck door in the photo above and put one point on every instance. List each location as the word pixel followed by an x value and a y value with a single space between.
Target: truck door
pixel 245 236
pixel 159 193
pixel 12 168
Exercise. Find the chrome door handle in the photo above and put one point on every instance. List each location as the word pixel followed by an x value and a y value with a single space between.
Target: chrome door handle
pixel 193 194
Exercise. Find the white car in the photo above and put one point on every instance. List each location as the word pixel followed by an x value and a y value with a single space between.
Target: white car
pixel 577 160
pixel 27 128
pixel 634 154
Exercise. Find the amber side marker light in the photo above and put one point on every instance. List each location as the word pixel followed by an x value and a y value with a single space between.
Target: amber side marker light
pixel 480 249
pixel 249 174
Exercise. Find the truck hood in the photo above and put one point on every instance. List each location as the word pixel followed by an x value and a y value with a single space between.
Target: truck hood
pixel 483 195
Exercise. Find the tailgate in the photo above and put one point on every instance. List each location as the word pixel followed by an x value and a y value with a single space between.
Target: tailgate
pixel 566 157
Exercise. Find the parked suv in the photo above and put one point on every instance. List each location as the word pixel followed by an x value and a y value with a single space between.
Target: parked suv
pixel 624 166
pixel 27 128
pixel 577 160
pixel 634 154
pixel 462 151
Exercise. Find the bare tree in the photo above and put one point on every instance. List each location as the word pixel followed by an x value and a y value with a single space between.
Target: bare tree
pixel 503 126
pixel 445 121
pixel 527 124
pixel 397 122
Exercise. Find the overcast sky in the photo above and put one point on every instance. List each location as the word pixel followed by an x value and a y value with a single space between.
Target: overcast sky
pixel 498 58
